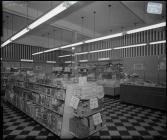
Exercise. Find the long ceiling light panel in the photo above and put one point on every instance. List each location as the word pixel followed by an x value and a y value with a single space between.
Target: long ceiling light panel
pixel 102 50
pixel 158 42
pixel 83 60
pixel 53 62
pixel 26 60
pixel 57 10
pixel 102 59
pixel 5 43
pixel 65 55
pixel 147 28
pixel 162 24
pixel 103 38
pixel 130 46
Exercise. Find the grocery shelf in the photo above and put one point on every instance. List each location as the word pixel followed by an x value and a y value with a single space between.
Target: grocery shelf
pixel 44 107
pixel 34 119
pixel 46 85
pixel 39 92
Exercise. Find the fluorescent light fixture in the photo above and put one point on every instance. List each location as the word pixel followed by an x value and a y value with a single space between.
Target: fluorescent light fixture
pixel 81 53
pixel 101 59
pixel 102 50
pixel 19 34
pixel 65 55
pixel 26 60
pixel 158 42
pixel 71 45
pixel 83 60
pixel 130 46
pixel 57 10
pixel 6 42
pixel 49 50
pixel 37 53
pixel 69 61
pixel 162 24
pixel 103 38
pixel 108 37
pixel 51 62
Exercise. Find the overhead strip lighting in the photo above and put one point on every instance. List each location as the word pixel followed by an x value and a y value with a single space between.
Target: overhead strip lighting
pixel 147 28
pixel 19 34
pixel 158 42
pixel 130 46
pixel 26 60
pixel 65 55
pixel 83 60
pixel 51 62
pixel 69 61
pixel 6 42
pixel 103 38
pixel 102 50
pixel 81 53
pixel 102 59
pixel 108 37
pixel 72 45
pixel 57 10
pixel 60 8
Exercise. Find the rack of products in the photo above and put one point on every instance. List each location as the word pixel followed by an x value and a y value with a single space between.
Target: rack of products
pixel 4 80
pixel 64 107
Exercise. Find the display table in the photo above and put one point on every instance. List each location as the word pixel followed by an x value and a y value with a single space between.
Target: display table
pixel 154 97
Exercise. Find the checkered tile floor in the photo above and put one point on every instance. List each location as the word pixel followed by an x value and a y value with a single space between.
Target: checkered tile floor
pixel 123 121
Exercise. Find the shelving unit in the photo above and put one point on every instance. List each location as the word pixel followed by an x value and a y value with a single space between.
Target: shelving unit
pixel 51 107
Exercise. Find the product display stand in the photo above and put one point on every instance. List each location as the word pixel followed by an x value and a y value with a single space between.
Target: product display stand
pixel 71 110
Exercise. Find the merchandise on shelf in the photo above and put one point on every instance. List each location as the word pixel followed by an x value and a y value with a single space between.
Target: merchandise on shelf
pixel 46 102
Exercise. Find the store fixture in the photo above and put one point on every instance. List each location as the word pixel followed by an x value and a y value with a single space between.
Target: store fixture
pixel 66 107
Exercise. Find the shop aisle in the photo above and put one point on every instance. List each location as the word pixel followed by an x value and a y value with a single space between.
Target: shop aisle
pixel 123 121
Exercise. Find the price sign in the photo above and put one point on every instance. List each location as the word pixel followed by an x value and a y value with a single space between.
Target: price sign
pixel 93 103
pixel 74 102
pixel 97 119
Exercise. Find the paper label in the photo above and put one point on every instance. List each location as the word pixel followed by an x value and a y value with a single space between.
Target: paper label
pixel 93 103
pixel 74 102
pixel 97 119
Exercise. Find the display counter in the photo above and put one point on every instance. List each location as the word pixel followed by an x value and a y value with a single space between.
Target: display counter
pixel 149 96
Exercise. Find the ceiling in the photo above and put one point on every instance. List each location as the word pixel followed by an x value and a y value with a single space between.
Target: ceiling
pixel 122 15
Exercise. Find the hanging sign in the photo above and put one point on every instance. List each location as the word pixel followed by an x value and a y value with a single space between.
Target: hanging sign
pixel 93 103
pixel 97 119
pixel 74 102
pixel 154 8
